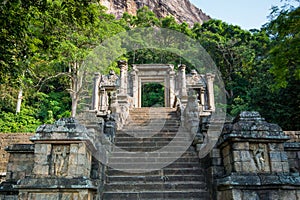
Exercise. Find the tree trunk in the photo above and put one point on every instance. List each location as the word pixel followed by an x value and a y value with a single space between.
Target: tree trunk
pixel 74 107
pixel 19 101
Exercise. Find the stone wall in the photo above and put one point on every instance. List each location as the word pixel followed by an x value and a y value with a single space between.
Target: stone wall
pixel 292 147
pixel 257 158
pixel 8 139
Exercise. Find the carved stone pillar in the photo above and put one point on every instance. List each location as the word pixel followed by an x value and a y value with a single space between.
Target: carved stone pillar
pixel 182 86
pixel 95 100
pixel 103 105
pixel 122 64
pixel 135 88
pixel 210 88
pixel 172 88
pixel 202 99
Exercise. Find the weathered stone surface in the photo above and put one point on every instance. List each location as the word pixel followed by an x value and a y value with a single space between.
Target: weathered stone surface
pixel 183 11
pixel 7 139
pixel 250 125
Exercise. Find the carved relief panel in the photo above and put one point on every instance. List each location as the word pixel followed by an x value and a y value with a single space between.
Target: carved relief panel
pixel 260 158
pixel 60 160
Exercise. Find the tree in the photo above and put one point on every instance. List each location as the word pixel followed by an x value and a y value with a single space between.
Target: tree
pixel 284 54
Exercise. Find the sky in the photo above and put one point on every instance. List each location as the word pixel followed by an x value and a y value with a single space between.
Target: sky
pixel 248 14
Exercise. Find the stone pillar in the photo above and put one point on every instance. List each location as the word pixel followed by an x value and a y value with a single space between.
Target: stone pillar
pixel 202 99
pixel 103 102
pixel 95 101
pixel 256 165
pixel 210 88
pixel 135 88
pixel 172 88
pixel 182 86
pixel 123 76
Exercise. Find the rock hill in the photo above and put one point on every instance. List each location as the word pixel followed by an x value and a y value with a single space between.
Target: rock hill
pixel 182 10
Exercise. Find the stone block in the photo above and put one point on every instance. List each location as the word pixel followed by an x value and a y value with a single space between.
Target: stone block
pixel 227 160
pixel 250 195
pixel 275 156
pixel 291 154
pixel 238 166
pixel 236 156
pixel 74 148
pixel 298 194
pixel 240 146
pixel 284 156
pixel 245 156
pixel 285 167
pixel 41 170
pixel 276 167
pixel 225 195
pixel 41 159
pixel 42 149
pixel 236 194
pixel 249 167
pixel 82 148
pixel 215 153
pixel 288 195
pixel 226 151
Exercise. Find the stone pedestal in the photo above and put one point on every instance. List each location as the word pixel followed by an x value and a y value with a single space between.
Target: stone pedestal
pixel 256 165
pixel 62 163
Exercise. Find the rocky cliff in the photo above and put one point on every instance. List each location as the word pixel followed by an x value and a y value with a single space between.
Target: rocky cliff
pixel 182 10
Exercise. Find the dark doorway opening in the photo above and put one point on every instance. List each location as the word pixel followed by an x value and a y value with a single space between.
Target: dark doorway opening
pixel 153 95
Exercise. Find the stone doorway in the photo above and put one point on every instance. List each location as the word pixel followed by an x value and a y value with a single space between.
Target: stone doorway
pixel 153 73
pixel 153 95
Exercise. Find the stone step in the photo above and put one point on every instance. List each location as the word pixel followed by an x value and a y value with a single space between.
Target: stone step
pixel 153 165
pixel 189 194
pixel 165 171
pixel 143 124
pixel 152 111
pixel 162 150
pixel 174 185
pixel 149 129
pixel 188 153
pixel 149 139
pixel 154 178
pixel 151 149
pixel 150 143
pixel 134 159
pixel 149 134
pixel 153 139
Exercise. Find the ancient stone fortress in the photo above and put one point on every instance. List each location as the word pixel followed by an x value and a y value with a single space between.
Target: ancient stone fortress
pixel 117 149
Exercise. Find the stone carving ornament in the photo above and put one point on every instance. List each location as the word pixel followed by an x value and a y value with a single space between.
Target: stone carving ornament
pixel 259 156
pixel 60 158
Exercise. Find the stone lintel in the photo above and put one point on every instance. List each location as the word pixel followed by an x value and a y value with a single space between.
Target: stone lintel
pixel 20 148
pixel 258 181
pixel 293 146
pixel 56 183
pixel 229 139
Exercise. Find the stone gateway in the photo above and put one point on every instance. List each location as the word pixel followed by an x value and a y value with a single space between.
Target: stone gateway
pixel 120 150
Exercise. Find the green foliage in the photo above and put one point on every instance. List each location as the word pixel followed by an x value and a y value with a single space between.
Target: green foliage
pixel 153 95
pixel 284 54
pixel 25 121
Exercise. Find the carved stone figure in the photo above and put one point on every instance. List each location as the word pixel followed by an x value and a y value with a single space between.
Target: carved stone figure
pixel 60 155
pixel 259 157
pixel 110 80
pixel 191 114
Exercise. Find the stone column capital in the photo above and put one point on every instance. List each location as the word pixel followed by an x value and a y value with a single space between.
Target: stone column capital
pixel 182 67
pixel 122 64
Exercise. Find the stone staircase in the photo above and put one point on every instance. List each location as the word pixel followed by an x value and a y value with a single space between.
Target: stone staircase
pixel 146 170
